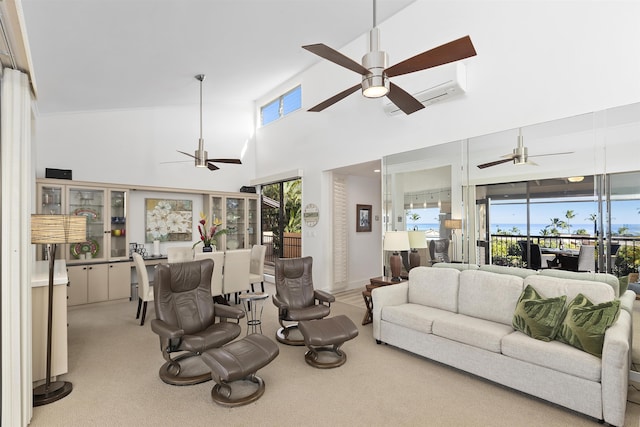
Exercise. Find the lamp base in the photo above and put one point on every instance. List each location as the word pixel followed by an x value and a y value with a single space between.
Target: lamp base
pixel 414 259
pixel 395 262
pixel 43 395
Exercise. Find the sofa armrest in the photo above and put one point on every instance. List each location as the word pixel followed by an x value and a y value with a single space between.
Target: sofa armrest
pixel 626 300
pixel 615 369
pixel 387 295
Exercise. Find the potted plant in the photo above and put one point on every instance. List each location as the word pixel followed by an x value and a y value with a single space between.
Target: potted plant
pixel 208 235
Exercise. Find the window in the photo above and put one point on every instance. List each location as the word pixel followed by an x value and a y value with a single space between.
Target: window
pixel 280 107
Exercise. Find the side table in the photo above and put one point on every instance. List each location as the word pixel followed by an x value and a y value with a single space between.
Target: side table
pixel 375 282
pixel 253 304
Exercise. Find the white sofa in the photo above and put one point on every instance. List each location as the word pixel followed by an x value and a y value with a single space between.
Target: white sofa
pixel 464 319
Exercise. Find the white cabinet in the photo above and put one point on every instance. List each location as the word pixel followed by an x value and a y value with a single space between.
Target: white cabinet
pixel 98 282
pixel 239 216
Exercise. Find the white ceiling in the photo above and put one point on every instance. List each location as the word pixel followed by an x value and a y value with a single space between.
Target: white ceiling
pixel 125 54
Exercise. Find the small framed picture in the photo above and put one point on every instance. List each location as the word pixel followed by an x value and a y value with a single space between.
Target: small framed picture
pixel 363 217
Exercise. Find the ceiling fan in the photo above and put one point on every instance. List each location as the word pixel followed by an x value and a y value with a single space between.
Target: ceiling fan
pixel 519 156
pixel 375 74
pixel 200 155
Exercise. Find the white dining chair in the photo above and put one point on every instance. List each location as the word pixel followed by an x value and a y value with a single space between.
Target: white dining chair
pixel 218 265
pixel 145 287
pixel 179 254
pixel 256 270
pixel 587 258
pixel 235 277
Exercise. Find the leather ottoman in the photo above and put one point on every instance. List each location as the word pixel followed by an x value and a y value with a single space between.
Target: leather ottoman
pixel 327 335
pixel 239 360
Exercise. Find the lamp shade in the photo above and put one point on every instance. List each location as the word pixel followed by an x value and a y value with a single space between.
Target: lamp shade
pixel 50 229
pixel 454 224
pixel 396 241
pixel 417 240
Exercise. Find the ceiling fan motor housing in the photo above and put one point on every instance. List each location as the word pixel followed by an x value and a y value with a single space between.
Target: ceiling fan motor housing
pixel 375 84
pixel 201 158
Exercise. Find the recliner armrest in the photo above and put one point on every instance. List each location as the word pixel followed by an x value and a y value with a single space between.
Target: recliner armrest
pixel 323 296
pixel 228 312
pixel 165 330
pixel 279 303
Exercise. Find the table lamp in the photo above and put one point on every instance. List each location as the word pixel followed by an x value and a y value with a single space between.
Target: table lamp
pixel 396 241
pixel 417 241
pixel 51 230
pixel 453 225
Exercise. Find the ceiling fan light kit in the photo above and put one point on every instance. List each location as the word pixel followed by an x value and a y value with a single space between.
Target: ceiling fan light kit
pixel 375 84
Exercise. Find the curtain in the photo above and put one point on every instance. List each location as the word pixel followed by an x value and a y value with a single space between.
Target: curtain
pixel 17 186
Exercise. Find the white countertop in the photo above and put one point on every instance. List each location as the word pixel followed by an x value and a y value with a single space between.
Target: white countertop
pixel 40 273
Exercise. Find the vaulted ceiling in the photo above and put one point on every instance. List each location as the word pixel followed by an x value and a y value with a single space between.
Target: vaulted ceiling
pixel 125 54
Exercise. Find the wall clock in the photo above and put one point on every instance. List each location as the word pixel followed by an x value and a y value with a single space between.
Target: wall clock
pixel 310 214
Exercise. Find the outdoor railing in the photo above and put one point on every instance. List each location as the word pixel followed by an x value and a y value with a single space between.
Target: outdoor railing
pixel 505 249
pixel 291 245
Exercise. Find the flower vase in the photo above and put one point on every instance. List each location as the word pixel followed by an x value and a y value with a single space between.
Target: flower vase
pixel 207 248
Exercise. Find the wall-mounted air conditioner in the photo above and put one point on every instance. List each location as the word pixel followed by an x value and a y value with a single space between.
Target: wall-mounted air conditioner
pixel 444 82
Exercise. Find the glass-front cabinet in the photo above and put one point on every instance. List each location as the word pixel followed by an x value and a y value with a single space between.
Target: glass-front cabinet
pixel 105 210
pixel 90 203
pixel 239 216
pixel 236 223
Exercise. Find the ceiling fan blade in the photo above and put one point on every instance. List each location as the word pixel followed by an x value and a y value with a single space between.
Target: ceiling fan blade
pixel 550 154
pixel 212 167
pixel 403 99
pixel 186 154
pixel 336 57
pixel 234 161
pixel 449 52
pixel 329 102
pixel 497 162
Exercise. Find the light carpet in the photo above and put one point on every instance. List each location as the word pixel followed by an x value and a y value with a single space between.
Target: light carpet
pixel 114 362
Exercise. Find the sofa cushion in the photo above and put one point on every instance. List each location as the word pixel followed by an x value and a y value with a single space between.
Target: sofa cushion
pixel 503 269
pixel 537 316
pixel 585 324
pixel 607 278
pixel 489 296
pixel 553 355
pixel 413 316
pixel 551 287
pixel 434 287
pixel 472 331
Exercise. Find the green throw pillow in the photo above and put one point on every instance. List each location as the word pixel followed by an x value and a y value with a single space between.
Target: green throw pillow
pixel 585 324
pixel 537 316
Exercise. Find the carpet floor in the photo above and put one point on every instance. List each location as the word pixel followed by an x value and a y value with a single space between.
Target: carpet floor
pixel 114 362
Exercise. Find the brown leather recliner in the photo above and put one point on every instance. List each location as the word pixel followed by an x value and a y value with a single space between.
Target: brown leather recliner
pixel 296 298
pixel 185 319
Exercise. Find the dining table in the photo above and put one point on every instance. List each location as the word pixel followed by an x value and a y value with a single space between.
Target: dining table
pixel 563 258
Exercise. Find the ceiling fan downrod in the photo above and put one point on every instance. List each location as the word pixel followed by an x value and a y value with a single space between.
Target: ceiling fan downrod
pixel 200 154
pixel 375 84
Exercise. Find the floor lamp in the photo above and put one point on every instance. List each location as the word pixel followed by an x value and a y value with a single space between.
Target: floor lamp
pixel 396 241
pixel 51 230
pixel 453 225
pixel 417 240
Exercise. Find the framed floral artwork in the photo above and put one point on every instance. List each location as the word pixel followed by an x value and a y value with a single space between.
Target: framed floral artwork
pixel 168 220
pixel 363 218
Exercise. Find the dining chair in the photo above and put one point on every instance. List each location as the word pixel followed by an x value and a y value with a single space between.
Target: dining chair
pixel 216 277
pixel 145 287
pixel 235 278
pixel 587 258
pixel 256 270
pixel 180 254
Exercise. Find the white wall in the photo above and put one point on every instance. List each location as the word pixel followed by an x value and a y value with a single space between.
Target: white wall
pixel 129 147
pixel 537 61
pixel 364 247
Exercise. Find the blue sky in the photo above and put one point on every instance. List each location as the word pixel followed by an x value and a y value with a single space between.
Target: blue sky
pixel 623 212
